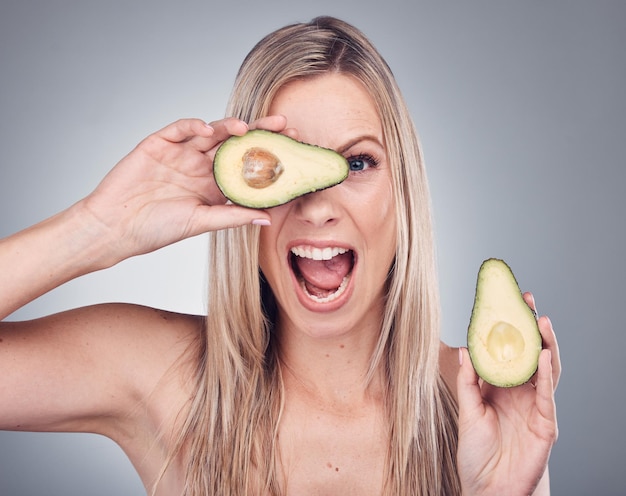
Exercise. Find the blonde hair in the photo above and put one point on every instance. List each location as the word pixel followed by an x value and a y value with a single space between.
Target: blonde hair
pixel 230 428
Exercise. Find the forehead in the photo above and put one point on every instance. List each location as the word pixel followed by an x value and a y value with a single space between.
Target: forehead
pixel 328 110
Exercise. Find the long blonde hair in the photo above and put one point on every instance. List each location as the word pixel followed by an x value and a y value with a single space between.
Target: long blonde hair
pixel 231 424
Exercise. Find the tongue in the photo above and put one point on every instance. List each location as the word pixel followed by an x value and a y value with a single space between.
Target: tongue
pixel 325 274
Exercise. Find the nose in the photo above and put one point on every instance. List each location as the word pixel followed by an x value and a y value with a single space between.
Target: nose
pixel 319 209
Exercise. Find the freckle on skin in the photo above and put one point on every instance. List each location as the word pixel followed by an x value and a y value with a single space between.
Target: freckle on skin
pixel 329 465
pixel 341 346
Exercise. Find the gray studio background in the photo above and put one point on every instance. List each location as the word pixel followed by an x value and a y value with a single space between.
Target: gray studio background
pixel 521 110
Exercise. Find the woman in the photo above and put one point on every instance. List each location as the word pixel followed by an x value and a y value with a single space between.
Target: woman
pixel 333 381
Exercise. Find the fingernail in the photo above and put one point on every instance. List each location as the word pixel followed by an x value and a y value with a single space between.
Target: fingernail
pixel 261 222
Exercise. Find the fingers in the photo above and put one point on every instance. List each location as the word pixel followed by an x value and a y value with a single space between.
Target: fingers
pixel 530 301
pixel 543 383
pixel 230 126
pixel 195 134
pixel 545 393
pixel 225 128
pixel 292 133
pixel 275 123
pixel 548 337
pixel 207 137
pixel 203 135
pixel 550 343
pixel 184 129
pixel 199 136
pixel 468 387
pixel 213 218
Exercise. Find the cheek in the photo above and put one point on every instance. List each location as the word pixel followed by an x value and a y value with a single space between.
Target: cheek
pixel 385 226
pixel 383 211
pixel 377 223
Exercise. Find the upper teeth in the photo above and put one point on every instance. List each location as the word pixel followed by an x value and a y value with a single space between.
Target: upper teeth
pixel 317 253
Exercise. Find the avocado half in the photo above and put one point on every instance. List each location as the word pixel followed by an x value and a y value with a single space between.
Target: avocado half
pixel 263 169
pixel 503 337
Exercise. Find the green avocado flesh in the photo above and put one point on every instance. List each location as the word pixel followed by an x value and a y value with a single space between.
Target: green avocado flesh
pixel 263 169
pixel 503 337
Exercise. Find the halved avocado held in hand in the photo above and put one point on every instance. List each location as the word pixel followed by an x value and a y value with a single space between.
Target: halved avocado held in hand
pixel 503 337
pixel 263 169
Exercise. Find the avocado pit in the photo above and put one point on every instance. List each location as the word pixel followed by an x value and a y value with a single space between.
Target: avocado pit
pixel 261 167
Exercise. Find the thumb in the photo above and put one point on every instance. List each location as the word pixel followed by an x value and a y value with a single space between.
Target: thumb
pixel 216 217
pixel 468 388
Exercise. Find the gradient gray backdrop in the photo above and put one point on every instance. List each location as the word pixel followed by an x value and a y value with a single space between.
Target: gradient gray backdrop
pixel 521 110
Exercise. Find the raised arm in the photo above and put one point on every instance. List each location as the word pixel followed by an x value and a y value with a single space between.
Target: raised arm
pixel 160 193
pixel 75 370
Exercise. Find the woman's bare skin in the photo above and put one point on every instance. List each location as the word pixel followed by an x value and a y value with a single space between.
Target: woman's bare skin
pixel 125 371
pixel 127 378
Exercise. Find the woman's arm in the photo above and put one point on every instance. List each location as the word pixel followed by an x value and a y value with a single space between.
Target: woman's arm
pixel 42 257
pixel 93 369
pixel 160 193
pixel 77 369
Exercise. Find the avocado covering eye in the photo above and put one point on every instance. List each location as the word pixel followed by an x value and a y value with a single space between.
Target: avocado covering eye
pixel 263 169
pixel 503 337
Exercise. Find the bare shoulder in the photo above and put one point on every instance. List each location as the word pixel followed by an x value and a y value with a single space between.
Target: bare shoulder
pixel 146 345
pixel 125 334
pixel 148 334
pixel 83 366
pixel 449 365
pixel 145 339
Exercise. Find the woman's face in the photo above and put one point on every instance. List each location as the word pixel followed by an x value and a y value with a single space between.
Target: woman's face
pixel 327 254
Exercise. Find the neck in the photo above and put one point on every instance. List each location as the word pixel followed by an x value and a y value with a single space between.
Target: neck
pixel 331 371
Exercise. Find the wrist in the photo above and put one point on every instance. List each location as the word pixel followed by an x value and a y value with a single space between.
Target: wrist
pixel 50 253
pixel 91 244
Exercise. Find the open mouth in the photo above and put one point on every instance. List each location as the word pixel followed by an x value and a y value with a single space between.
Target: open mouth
pixel 323 273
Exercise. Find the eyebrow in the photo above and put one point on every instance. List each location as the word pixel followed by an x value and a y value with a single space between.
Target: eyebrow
pixel 359 139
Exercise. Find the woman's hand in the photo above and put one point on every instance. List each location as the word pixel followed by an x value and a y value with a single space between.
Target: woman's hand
pixel 164 190
pixel 161 192
pixel 506 434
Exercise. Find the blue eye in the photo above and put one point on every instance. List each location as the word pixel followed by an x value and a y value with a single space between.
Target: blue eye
pixel 360 163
